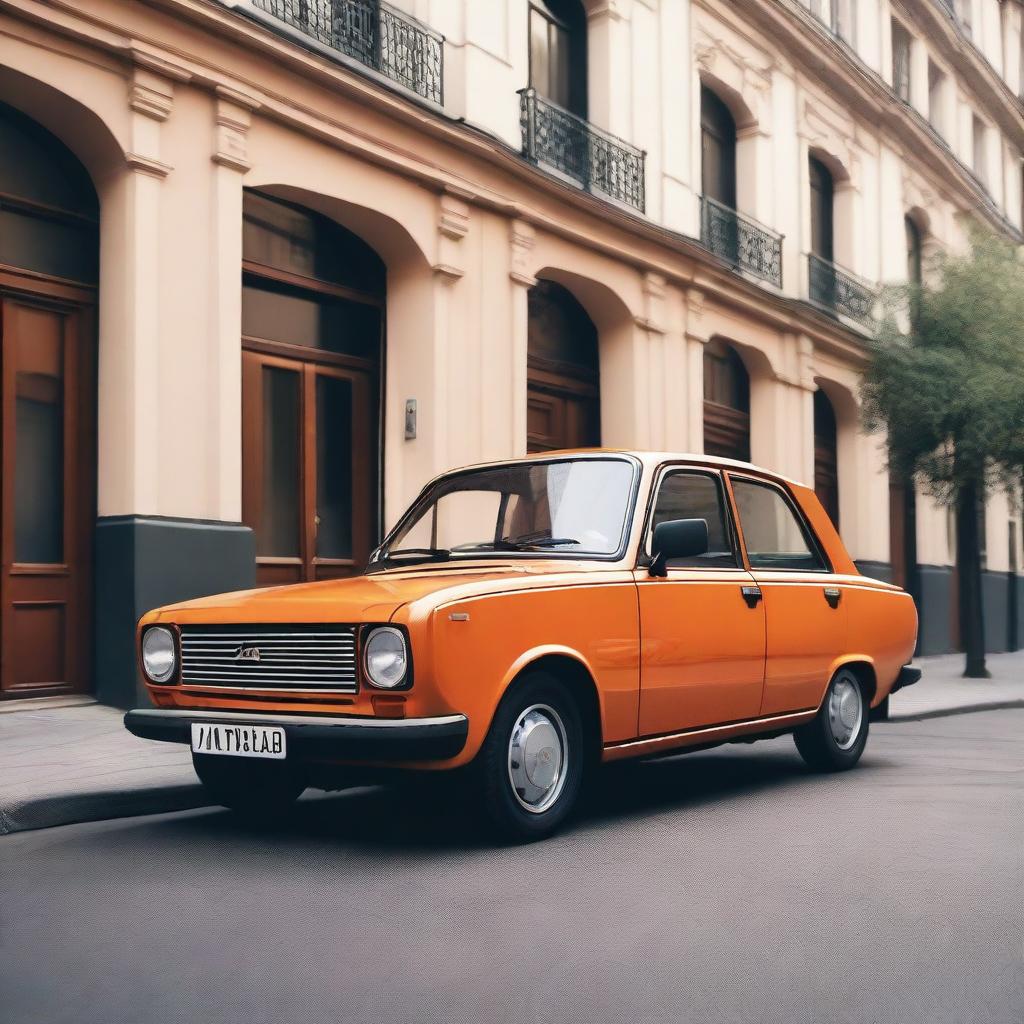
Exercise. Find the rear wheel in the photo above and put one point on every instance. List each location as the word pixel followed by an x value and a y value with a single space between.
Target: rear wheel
pixel 258 790
pixel 530 767
pixel 836 737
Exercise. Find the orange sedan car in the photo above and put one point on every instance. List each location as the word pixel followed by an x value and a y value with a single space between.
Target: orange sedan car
pixel 526 620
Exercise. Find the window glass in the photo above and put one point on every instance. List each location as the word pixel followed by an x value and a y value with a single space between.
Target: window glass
pixel 275 312
pixel 571 507
pixel 333 467
pixel 771 530
pixel 278 529
pixel 687 495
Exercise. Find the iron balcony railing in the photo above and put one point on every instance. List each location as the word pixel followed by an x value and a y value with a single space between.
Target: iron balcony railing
pixel 740 241
pixel 373 33
pixel 839 291
pixel 595 159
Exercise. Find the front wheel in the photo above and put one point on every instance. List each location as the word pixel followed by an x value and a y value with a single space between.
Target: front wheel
pixel 257 790
pixel 530 767
pixel 835 739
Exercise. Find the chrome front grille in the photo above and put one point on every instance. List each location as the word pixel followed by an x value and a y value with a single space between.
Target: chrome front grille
pixel 264 657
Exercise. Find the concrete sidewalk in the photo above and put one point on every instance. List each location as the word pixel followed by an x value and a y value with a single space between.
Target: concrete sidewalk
pixel 60 765
pixel 942 690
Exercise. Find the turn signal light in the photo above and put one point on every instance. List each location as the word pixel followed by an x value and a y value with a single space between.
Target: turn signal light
pixel 388 707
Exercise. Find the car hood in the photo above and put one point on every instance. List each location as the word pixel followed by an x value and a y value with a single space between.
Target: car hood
pixel 375 598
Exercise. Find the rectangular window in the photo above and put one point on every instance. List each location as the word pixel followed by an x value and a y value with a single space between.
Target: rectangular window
pixel 693 495
pixel 774 536
pixel 978 154
pixel 936 95
pixel 844 19
pixel 900 61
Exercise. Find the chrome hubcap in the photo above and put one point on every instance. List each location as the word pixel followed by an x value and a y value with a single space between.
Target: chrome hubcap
pixel 537 758
pixel 845 712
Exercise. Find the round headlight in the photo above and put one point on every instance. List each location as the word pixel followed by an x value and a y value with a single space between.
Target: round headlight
pixel 159 658
pixel 385 658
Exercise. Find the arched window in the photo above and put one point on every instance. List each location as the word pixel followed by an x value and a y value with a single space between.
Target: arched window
pixel 312 322
pixel 558 53
pixel 563 374
pixel 826 456
pixel 718 149
pixel 726 403
pixel 822 205
pixel 49 213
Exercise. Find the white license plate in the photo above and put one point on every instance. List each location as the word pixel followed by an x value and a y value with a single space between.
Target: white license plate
pixel 239 740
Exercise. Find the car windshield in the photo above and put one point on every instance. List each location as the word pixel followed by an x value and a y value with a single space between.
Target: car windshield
pixel 577 507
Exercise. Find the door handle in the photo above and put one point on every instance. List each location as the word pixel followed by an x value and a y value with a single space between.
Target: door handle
pixel 833 595
pixel 751 595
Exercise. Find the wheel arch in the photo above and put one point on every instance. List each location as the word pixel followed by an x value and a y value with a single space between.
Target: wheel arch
pixel 571 668
pixel 864 668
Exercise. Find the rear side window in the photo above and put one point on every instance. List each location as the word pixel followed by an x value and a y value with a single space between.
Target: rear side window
pixel 774 536
pixel 690 495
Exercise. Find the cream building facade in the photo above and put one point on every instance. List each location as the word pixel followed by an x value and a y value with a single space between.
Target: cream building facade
pixel 343 246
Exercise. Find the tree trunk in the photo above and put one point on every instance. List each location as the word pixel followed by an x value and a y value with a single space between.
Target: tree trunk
pixel 968 561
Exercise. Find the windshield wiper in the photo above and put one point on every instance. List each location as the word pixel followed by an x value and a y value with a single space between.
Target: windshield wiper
pixel 438 554
pixel 542 542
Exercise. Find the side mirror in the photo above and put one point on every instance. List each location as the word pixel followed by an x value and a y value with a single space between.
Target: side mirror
pixel 677 538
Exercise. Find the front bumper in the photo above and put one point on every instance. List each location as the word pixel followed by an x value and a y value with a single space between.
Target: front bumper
pixel 319 737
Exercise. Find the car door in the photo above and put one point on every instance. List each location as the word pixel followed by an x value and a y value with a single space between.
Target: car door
pixel 804 611
pixel 702 636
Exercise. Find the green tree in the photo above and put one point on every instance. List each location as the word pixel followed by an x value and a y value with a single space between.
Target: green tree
pixel 946 379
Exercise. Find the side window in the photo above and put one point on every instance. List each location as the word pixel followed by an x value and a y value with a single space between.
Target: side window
pixel 690 495
pixel 774 537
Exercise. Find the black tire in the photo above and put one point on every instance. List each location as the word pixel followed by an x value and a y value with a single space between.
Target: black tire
pixel 817 742
pixel 260 791
pixel 493 768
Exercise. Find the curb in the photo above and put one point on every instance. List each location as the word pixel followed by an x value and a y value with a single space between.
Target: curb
pixel 75 808
pixel 962 709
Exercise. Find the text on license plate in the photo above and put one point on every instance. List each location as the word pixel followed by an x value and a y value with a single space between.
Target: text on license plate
pixel 239 740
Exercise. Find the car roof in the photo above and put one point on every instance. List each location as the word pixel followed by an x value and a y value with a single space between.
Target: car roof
pixel 648 458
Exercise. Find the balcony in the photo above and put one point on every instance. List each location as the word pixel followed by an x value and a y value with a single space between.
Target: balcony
pixel 740 241
pixel 594 159
pixel 373 33
pixel 839 292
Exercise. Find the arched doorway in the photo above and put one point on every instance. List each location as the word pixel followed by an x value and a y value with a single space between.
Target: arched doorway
pixel 312 334
pixel 826 456
pixel 49 272
pixel 563 376
pixel 726 403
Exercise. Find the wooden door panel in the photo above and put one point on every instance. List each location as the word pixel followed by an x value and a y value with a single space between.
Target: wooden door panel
pixel 309 458
pixel 48 496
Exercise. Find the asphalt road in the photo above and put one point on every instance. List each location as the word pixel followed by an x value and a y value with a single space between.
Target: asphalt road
pixel 728 886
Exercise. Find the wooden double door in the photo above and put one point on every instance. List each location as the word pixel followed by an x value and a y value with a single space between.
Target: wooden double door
pixel 310 452
pixel 47 499
pixel 563 408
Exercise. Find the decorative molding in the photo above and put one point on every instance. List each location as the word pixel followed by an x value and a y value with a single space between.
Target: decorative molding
pixel 453 218
pixel 653 319
pixel 522 239
pixel 160 65
pixel 147 165
pixel 232 120
pixel 150 95
pixel 447 273
pixel 694 313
